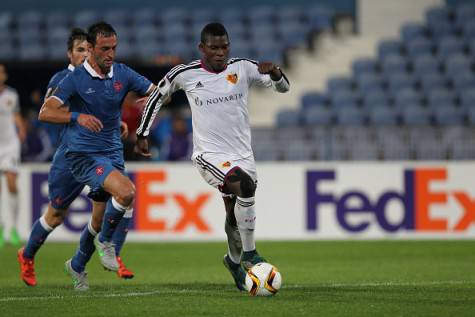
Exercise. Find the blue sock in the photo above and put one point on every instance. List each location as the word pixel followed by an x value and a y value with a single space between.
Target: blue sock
pixel 86 249
pixel 112 216
pixel 38 235
pixel 120 233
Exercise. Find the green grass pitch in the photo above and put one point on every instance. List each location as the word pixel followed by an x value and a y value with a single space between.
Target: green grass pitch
pixel 320 278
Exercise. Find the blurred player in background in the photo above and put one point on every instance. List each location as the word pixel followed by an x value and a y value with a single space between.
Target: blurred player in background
pixel 95 92
pixel 217 91
pixel 63 188
pixel 13 132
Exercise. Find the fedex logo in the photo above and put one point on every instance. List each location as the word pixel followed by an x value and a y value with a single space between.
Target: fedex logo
pixel 417 198
pixel 159 206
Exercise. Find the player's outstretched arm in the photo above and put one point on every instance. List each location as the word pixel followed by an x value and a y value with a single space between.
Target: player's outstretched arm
pixel 52 111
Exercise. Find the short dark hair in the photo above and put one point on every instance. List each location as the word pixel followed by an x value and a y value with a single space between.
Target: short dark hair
pixel 213 29
pixel 102 28
pixel 76 34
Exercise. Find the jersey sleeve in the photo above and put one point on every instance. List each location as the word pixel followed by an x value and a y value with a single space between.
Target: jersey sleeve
pixel 264 80
pixel 165 88
pixel 66 89
pixel 53 83
pixel 137 82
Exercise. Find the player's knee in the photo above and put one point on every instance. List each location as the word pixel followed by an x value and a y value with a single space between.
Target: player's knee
pixel 126 195
pixel 55 217
pixel 248 186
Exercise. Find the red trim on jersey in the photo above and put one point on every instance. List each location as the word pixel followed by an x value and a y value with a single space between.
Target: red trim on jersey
pixel 211 71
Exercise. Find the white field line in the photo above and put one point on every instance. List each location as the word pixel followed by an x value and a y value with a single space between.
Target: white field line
pixel 188 291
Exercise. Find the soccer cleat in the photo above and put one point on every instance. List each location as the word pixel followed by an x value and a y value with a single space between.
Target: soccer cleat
pixel 237 272
pixel 107 256
pixel 123 271
pixel 15 238
pixel 79 279
pixel 251 258
pixel 27 269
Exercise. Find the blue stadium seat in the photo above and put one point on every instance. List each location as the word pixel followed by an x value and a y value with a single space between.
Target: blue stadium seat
pixel 6 20
pixel 117 17
pixel 319 18
pixel 288 118
pixel 389 47
pixel 470 112
pixel 32 51
pixel 339 83
pixel 261 14
pixel 467 99
pixel 464 13
pixel 449 116
pixel 241 48
pixel 174 32
pixel 442 29
pixel 369 82
pixel 203 16
pixel 425 64
pixel 438 98
pixel 312 100
pixel 231 16
pixel 150 49
pixel 364 65
pixel 469 30
pixel 7 51
pixel 418 47
pixel 414 114
pixel 57 19
pixel 383 116
pixel 174 15
pixel 375 99
pixel 394 63
pixel 236 30
pixel 29 35
pixel 289 14
pixel 265 31
pixel 344 99
pixel 84 19
pixel 125 51
pixel 438 14
pixel 432 80
pixel 317 116
pixel 464 81
pixel 30 19
pixel 456 64
pixel 144 16
pixel 59 35
pixel 400 81
pixel 292 34
pixel 411 31
pixel 349 115
pixel 298 151
pixel 407 97
pixel 450 45
pixel 147 33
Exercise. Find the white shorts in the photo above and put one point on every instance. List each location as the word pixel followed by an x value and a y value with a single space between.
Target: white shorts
pixel 214 168
pixel 10 157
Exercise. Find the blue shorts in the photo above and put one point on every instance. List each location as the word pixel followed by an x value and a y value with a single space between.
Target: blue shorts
pixel 93 168
pixel 62 186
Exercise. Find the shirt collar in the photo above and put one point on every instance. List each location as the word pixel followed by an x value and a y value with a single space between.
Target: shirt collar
pixel 93 73
pixel 71 67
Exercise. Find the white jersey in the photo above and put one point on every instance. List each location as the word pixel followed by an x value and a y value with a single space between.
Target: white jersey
pixel 218 104
pixel 9 106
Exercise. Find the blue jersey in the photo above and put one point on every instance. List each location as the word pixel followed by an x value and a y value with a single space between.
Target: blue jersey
pixel 55 131
pixel 86 92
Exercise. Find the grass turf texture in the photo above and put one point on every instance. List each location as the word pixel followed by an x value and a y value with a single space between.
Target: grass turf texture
pixel 320 278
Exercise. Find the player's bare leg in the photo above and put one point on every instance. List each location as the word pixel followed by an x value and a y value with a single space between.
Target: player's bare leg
pixel 11 178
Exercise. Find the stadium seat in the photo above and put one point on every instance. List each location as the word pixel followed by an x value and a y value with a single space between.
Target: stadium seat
pixel 319 18
pixel 389 47
pixel 33 51
pixel 146 34
pixel 6 20
pixel 383 116
pixel 394 63
pixel 312 100
pixel 144 16
pixel 411 31
pixel 441 98
pixel 344 99
pixel 364 66
pixel 433 80
pixel 450 45
pixel 261 14
pixel 292 34
pixel 375 99
pixel 418 47
pixel 231 16
pixel 339 83
pixel 317 116
pixel 467 99
pixel 425 64
pixel 236 31
pixel 30 19
pixel 7 51
pixel 438 14
pixel 117 17
pixel 463 81
pixel 288 118
pixel 458 63
pixel 289 14
pixel 468 30
pixel 442 29
pixel 464 13
pixel 414 114
pixel 369 82
pixel 349 115
pixel 298 151
pixel 449 116
pixel 174 15
pixel 125 51
pixel 203 16
pixel 242 48
pixel 399 81
pixel 57 19
pixel 84 19
pixel 407 97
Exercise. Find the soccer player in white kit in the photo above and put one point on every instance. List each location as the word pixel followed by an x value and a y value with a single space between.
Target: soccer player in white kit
pixel 217 90
pixel 11 122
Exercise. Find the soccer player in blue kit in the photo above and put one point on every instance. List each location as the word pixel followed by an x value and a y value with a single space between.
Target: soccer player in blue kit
pixel 95 92
pixel 63 188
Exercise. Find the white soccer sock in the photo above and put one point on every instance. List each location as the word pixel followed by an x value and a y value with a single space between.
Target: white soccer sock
pixel 234 242
pixel 246 220
pixel 13 207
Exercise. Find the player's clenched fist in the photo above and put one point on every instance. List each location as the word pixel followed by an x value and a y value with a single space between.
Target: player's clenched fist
pixel 271 69
pixel 90 122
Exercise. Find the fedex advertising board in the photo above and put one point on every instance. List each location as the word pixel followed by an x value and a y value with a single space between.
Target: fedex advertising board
pixel 293 201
